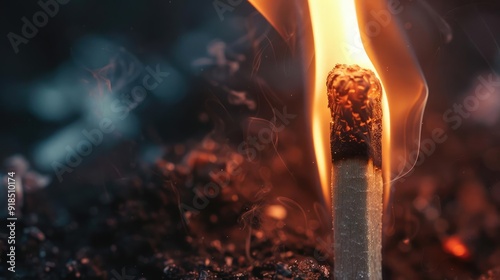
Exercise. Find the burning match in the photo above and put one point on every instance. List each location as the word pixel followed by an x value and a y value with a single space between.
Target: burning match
pixel 354 98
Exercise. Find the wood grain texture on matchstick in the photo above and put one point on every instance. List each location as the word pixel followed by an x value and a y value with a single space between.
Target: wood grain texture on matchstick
pixel 354 97
pixel 357 222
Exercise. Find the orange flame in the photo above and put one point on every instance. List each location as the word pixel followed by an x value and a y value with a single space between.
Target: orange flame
pixel 330 32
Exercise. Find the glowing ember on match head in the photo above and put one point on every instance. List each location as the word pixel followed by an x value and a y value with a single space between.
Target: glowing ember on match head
pixel 354 98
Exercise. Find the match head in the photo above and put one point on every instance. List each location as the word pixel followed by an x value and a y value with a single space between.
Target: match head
pixel 355 101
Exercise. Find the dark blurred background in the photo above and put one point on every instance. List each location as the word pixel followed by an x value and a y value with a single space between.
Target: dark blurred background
pixel 90 54
pixel 227 71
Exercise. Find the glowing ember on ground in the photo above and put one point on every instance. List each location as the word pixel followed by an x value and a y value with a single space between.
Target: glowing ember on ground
pixel 455 246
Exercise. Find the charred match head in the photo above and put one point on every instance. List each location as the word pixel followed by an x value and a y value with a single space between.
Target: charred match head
pixel 355 101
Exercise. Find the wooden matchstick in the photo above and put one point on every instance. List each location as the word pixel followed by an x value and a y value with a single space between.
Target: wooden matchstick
pixel 354 98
